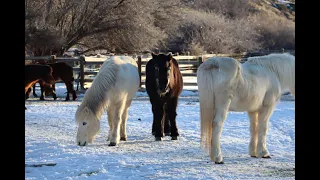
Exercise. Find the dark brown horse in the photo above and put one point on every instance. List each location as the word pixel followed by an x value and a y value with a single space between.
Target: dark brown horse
pixel 36 72
pixel 164 85
pixel 61 71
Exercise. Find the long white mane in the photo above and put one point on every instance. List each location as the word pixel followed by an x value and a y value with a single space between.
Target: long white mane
pixel 95 98
pixel 282 65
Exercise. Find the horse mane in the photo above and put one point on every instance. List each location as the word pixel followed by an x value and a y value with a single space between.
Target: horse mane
pixel 175 77
pixel 95 98
pixel 279 63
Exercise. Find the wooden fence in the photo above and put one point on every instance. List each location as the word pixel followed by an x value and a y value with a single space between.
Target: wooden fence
pixel 85 68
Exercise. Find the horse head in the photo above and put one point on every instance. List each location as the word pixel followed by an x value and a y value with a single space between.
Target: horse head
pixel 48 77
pixel 88 126
pixel 162 67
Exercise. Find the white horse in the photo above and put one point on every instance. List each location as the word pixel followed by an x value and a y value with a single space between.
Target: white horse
pixel 255 86
pixel 112 90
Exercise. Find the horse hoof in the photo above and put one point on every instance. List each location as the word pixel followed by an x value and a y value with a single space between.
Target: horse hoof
pixel 219 162
pixel 123 139
pixel 41 99
pixel 267 157
pixel 112 144
pixel 158 138
pixel 174 138
pixel 167 134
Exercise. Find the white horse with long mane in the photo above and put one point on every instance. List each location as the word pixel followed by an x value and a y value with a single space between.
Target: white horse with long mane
pixel 112 90
pixel 254 86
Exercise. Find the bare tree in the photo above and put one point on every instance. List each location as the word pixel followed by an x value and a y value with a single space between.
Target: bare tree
pixel 213 32
pixel 125 25
pixel 228 8
pixel 220 26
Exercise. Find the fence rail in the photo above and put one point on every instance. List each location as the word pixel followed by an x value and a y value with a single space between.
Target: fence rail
pixel 86 68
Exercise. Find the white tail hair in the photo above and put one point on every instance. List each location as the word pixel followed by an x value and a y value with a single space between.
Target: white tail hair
pixel 207 103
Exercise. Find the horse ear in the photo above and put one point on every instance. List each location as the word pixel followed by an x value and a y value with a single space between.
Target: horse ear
pixel 86 111
pixel 170 56
pixel 153 55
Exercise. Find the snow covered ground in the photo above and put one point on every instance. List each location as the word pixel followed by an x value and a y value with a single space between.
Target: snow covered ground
pixel 50 133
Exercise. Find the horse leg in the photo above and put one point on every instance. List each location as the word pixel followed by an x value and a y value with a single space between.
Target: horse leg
pixel 172 114
pixel 28 93
pixel 263 118
pixel 53 89
pixel 123 130
pixel 34 90
pixel 253 116
pixel 74 94
pixel 67 83
pixel 25 91
pixel 110 112
pixel 158 120
pixel 167 125
pixel 42 88
pixel 222 103
pixel 153 128
pixel 70 89
pixel 117 120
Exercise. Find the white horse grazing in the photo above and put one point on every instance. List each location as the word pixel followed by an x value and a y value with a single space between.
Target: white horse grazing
pixel 255 86
pixel 112 90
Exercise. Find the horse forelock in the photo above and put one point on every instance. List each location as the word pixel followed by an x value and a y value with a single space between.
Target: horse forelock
pixel 85 113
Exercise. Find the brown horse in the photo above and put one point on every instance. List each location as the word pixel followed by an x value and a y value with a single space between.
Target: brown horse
pixel 61 71
pixel 163 84
pixel 36 72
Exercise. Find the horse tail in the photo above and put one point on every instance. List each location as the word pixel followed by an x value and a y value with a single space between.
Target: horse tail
pixel 215 76
pixel 207 102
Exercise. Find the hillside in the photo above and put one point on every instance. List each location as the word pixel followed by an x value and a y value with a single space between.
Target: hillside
pixel 195 26
pixel 274 8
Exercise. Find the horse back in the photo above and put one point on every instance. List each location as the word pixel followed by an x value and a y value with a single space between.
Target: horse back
pixel 37 69
pixel 62 71
pixel 118 75
pixel 128 76
pixel 34 72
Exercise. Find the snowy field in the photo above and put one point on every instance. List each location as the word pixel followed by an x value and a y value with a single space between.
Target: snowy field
pixel 51 151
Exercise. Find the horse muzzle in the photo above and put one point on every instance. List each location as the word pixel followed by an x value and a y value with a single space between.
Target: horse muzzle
pixel 82 144
pixel 162 93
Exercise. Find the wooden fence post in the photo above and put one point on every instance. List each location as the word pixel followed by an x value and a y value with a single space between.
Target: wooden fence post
pixel 53 58
pixel 200 60
pixel 82 62
pixel 139 69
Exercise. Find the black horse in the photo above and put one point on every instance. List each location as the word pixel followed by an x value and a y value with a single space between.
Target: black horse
pixel 164 85
pixel 61 71
pixel 35 72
